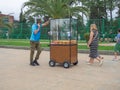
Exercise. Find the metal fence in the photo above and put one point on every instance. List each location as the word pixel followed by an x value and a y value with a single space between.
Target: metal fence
pixel 23 30
pixel 107 30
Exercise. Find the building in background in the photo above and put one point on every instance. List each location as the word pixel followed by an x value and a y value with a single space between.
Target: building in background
pixel 7 18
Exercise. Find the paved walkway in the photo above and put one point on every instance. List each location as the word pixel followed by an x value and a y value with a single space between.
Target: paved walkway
pixel 17 74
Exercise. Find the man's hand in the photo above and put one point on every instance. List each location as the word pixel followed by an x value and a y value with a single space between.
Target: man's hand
pixel 46 23
pixel 36 31
pixel 38 26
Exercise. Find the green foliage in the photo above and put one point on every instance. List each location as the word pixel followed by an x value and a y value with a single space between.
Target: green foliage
pixel 14 42
pixel 86 36
pixel 5 24
pixel 45 43
pixel 54 8
pixel 99 48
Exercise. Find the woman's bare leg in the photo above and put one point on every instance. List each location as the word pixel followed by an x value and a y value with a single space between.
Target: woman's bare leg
pixel 100 61
pixel 91 60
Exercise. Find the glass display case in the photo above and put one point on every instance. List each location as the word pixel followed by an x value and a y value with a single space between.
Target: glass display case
pixel 63 42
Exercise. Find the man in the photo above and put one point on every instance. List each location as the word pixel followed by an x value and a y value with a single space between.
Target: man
pixel 117 47
pixel 34 41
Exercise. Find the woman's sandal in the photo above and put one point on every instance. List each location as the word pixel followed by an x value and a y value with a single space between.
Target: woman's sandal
pixel 101 63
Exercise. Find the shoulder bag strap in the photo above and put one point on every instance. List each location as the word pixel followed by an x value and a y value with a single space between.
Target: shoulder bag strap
pixel 95 36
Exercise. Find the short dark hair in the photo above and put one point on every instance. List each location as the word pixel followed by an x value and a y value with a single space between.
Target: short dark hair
pixel 39 21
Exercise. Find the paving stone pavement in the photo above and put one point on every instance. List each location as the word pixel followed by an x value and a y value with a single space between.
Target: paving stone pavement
pixel 17 74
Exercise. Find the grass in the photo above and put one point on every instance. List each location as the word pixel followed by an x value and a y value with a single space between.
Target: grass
pixel 99 48
pixel 14 42
pixel 45 43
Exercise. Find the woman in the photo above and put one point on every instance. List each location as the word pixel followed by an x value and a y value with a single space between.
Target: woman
pixel 93 45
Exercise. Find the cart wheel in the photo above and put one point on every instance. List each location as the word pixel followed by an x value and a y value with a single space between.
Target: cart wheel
pixel 75 63
pixel 52 63
pixel 66 64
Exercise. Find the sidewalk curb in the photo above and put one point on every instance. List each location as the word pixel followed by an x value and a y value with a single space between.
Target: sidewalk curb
pixel 102 52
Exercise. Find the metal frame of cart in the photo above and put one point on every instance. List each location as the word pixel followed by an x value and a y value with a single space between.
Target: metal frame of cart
pixel 63 42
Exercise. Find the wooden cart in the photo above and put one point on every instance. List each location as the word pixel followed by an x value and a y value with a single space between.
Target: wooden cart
pixel 63 52
pixel 63 42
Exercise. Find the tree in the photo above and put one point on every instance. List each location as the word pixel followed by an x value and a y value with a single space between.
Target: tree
pixel 53 8
pixel 110 4
pixel 117 4
pixel 22 17
pixel 96 8
pixel 6 25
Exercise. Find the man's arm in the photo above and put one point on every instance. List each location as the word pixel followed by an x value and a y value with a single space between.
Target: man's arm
pixel 36 31
pixel 46 23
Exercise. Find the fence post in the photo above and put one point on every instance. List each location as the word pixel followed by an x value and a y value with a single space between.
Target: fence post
pixel 119 22
pixel 103 28
pixel 21 29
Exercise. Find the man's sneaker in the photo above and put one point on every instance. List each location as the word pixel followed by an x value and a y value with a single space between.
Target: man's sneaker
pixel 35 62
pixel 32 64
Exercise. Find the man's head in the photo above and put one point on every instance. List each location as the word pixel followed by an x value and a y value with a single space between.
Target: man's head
pixel 39 21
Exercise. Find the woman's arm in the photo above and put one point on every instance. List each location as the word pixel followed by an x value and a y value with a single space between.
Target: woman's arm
pixel 90 38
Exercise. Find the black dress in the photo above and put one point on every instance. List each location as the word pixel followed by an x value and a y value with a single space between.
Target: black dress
pixel 94 45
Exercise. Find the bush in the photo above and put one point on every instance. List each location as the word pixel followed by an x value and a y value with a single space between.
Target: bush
pixel 86 36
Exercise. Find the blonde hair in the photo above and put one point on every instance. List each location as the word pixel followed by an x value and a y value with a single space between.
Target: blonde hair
pixel 93 27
